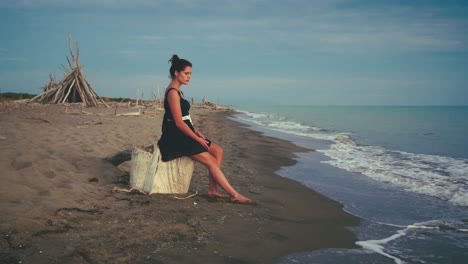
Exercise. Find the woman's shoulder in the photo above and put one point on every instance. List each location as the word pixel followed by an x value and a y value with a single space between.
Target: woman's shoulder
pixel 169 89
pixel 174 90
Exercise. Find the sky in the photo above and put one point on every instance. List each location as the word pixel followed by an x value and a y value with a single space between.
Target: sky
pixel 291 52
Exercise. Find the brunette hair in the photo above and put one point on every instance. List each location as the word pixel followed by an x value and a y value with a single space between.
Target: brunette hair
pixel 178 64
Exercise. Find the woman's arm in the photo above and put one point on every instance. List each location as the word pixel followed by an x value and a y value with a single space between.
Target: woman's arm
pixel 173 98
pixel 198 133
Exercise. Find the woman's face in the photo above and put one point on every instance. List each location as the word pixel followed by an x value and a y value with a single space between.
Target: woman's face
pixel 184 76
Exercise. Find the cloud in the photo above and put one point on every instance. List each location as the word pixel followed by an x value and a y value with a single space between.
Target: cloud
pixel 153 38
pixel 104 4
pixel 80 4
pixel 395 28
pixel 5 58
pixel 319 42
pixel 24 81
pixel 130 53
pixel 225 6
pixel 383 28
pixel 335 26
pixel 127 85
pixel 12 59
pixel 232 89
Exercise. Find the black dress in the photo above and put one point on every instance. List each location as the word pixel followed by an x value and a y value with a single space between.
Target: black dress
pixel 174 143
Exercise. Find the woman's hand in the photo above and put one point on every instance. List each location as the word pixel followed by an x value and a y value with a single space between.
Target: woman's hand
pixel 203 142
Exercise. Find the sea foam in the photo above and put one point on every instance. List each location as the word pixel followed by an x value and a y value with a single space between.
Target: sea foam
pixel 419 230
pixel 438 176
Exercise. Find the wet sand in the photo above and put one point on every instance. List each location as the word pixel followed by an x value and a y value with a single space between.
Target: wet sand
pixel 57 203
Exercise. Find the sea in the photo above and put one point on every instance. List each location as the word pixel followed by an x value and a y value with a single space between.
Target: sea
pixel 403 170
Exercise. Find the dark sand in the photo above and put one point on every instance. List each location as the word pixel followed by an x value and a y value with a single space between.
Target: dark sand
pixel 57 203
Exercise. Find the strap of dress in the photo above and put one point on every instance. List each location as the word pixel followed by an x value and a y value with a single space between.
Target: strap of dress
pixel 166 114
pixel 180 92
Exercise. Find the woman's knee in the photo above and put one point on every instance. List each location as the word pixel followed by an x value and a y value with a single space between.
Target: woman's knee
pixel 216 150
pixel 205 158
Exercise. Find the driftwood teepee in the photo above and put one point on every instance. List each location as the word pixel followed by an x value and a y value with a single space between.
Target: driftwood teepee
pixel 74 88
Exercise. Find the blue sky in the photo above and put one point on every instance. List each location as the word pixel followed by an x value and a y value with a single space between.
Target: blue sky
pixel 294 52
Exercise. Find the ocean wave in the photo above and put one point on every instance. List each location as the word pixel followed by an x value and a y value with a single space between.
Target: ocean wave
pixel 284 124
pixel 438 176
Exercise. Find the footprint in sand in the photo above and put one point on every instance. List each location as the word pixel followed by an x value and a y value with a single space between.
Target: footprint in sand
pixel 19 165
pixel 44 193
pixel 51 174
pixel 86 149
pixel 103 141
pixel 67 184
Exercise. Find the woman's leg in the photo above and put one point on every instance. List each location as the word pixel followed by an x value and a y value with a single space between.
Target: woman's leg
pixel 218 176
pixel 217 152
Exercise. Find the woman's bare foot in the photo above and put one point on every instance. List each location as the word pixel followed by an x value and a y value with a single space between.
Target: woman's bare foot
pixel 217 194
pixel 241 199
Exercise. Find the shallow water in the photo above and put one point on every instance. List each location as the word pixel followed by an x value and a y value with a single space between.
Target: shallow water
pixel 413 200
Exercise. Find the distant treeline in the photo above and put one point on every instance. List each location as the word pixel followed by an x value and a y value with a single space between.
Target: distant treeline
pixel 120 99
pixel 20 96
pixel 15 96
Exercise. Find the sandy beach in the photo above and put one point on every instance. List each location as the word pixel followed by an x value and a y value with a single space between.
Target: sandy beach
pixel 57 203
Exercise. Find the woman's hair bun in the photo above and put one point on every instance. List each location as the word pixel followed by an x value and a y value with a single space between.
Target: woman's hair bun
pixel 174 60
pixel 178 64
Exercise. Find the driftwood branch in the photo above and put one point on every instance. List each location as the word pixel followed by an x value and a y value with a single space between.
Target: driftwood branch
pixel 40 119
pixel 73 88
pixel 151 175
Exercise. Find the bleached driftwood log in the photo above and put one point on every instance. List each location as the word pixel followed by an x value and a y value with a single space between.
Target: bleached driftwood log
pixel 73 88
pixel 150 174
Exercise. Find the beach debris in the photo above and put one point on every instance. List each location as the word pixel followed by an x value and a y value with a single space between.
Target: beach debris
pixel 131 113
pixel 187 197
pixel 74 88
pixel 69 210
pixel 87 113
pixel 149 173
pixel 90 123
pixel 131 190
pixel 208 103
pixel 40 119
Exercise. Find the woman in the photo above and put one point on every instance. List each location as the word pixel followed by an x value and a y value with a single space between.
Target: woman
pixel 179 137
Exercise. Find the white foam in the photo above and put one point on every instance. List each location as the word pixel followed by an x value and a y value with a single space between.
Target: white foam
pixel 282 124
pixel 438 176
pixel 376 245
pixel 460 198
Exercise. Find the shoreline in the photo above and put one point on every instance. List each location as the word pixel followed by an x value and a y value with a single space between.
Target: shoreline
pixel 67 211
